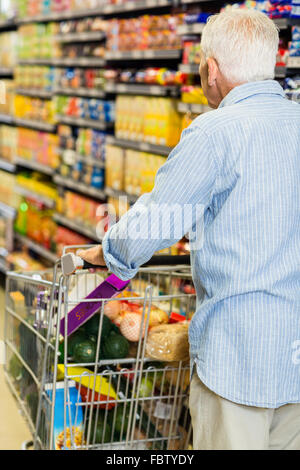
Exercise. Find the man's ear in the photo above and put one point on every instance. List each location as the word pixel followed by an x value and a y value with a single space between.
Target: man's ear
pixel 212 70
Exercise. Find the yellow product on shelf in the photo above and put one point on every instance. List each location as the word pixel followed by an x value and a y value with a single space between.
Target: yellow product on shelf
pixel 114 174
pixel 37 185
pixel 7 97
pixel 193 95
pixel 34 109
pixel 7 193
pixel 7 142
pixel 133 167
pixel 151 165
pixel 148 119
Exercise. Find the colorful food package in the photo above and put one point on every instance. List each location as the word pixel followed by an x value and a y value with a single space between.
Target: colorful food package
pixel 168 342
pixel 72 436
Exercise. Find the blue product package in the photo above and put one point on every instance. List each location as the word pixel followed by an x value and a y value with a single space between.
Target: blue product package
pixel 67 435
pixel 97 178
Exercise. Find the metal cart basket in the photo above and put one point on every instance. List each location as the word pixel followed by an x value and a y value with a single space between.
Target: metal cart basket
pixel 92 389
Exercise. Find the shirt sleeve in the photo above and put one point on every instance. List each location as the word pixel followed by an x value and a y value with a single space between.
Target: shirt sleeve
pixel 183 190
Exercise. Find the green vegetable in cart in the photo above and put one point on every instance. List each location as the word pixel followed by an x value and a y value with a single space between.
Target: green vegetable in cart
pixel 115 347
pixel 78 337
pixel 146 388
pixel 15 368
pixel 84 352
pixel 121 417
pixel 102 433
pixel 91 327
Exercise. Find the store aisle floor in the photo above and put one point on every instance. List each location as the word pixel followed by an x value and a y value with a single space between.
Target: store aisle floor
pixel 13 429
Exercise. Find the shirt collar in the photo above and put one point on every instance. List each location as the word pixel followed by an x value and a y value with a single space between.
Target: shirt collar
pixel 241 92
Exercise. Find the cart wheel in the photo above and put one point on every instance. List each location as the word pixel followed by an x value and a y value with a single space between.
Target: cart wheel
pixel 27 445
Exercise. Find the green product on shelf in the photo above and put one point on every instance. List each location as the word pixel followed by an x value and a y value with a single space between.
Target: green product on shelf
pixel 22 218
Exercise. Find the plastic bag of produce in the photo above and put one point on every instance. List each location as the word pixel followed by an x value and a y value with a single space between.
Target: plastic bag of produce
pixel 169 342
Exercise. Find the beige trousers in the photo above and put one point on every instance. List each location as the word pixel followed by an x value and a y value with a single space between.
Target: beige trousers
pixel 219 424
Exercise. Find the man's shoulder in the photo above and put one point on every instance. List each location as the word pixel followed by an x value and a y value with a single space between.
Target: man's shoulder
pixel 221 120
pixel 215 119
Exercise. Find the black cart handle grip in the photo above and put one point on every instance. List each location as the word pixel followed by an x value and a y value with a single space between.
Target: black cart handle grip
pixel 157 260
pixel 70 262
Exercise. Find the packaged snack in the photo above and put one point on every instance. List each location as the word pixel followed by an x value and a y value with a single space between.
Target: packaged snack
pixel 72 436
pixel 168 342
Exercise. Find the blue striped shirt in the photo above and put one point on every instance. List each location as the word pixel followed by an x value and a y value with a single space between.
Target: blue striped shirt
pixel 241 163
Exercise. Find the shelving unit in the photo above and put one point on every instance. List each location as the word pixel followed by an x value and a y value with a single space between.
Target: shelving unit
pixel 37 125
pixel 142 89
pixel 50 203
pixel 134 59
pixel 36 248
pixel 76 226
pixel 34 93
pixel 193 108
pixel 79 122
pixel 83 92
pixel 80 187
pixel 33 165
pixel 7 166
pixel 142 146
pixel 80 37
pixel 142 55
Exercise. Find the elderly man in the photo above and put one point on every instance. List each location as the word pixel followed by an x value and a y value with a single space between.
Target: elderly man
pixel 241 164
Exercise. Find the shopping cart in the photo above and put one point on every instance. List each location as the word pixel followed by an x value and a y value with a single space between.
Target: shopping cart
pixel 84 385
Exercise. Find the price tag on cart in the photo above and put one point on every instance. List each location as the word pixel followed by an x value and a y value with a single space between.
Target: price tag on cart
pixel 163 410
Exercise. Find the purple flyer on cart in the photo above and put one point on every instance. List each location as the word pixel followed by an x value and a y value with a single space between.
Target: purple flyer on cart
pixel 108 289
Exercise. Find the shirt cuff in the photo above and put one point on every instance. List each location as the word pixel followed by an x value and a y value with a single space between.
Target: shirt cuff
pixel 114 265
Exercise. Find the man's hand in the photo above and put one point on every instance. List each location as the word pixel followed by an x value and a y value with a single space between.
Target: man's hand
pixel 93 256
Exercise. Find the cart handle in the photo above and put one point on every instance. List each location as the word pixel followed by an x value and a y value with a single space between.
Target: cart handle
pixel 70 262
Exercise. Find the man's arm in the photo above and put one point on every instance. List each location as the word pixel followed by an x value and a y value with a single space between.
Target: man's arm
pixel 183 190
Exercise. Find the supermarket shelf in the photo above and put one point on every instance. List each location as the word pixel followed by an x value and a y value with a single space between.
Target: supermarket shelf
pixel 65 62
pixel 38 125
pixel 80 187
pixel 7 166
pixel 38 249
pixel 193 69
pixel 5 119
pixel 193 108
pixel 141 146
pixel 35 93
pixel 280 72
pixel 196 28
pixel 81 37
pixel 285 23
pixel 76 226
pixel 79 62
pixel 82 158
pixel 3 266
pixel 33 165
pixel 93 124
pixel 110 192
pixel 7 211
pixel 37 61
pixel 90 93
pixel 293 62
pixel 36 196
pixel 135 6
pixel 189 68
pixel 104 10
pixel 144 54
pixel 6 25
pixel 6 72
pixel 141 89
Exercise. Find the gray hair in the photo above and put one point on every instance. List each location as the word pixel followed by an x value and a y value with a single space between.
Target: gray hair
pixel 244 43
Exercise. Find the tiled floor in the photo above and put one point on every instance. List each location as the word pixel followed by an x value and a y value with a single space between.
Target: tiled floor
pixel 13 429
